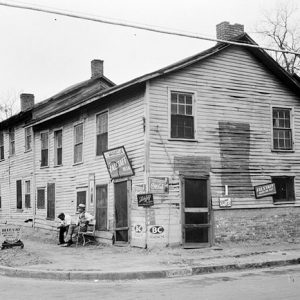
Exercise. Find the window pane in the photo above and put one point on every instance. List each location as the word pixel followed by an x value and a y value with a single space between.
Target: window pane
pixel 59 156
pixel 189 110
pixel 173 109
pixel 78 134
pixel 181 98
pixel 102 123
pixel 40 198
pixel 101 143
pixel 78 153
pixel 181 109
pixel 44 158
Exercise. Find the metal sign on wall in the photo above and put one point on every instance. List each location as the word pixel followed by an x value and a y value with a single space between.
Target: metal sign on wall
pixel 265 190
pixel 158 185
pixel 117 163
pixel 145 200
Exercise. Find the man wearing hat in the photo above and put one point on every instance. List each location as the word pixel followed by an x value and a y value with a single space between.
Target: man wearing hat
pixel 65 222
pixel 83 219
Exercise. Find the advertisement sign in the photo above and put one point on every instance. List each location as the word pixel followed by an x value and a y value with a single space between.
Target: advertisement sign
pixel 158 185
pixel 11 233
pixel 265 190
pixel 117 163
pixel 156 233
pixel 225 202
pixel 145 200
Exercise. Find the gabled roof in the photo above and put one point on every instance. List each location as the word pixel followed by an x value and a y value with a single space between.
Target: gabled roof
pixel 259 53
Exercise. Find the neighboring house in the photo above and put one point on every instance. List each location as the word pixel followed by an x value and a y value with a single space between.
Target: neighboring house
pixel 207 139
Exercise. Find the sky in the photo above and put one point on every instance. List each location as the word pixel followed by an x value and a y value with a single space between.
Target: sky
pixel 44 53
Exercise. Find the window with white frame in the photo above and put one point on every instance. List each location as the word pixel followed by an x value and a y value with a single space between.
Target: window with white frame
pixel 28 138
pixel 1 145
pixel 182 115
pixel 27 194
pixel 44 149
pixel 78 143
pixel 58 147
pixel 101 133
pixel 282 129
pixel 11 141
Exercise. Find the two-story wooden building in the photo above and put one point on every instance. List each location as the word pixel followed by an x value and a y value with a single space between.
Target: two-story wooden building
pixel 205 150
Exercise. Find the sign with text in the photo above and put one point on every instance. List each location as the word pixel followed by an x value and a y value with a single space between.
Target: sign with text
pixel 265 190
pixel 158 185
pixel 117 163
pixel 145 200
pixel 11 233
pixel 225 202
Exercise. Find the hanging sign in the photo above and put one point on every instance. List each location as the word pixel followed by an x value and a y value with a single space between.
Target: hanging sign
pixel 117 163
pixel 145 200
pixel 265 190
pixel 158 185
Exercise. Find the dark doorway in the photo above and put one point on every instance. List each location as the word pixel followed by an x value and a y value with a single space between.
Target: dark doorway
pixel 121 212
pixel 51 201
pixel 101 207
pixel 196 213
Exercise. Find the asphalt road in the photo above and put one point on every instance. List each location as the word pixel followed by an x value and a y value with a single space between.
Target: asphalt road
pixel 276 283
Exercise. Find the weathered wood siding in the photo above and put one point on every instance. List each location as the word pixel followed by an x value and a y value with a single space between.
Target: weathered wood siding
pixel 125 128
pixel 234 94
pixel 17 167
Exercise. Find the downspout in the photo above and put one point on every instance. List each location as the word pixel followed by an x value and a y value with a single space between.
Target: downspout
pixel 34 178
pixel 147 151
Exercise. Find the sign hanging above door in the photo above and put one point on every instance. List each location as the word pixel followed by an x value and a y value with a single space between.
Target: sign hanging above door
pixel 117 163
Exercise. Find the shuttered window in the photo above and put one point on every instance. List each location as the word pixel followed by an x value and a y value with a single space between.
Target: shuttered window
pixel 41 198
pixel 44 149
pixel 27 194
pixel 28 138
pixel 78 143
pixel 282 129
pixel 81 197
pixel 11 141
pixel 58 147
pixel 182 118
pixel 1 145
pixel 102 132
pixel 51 201
pixel 19 194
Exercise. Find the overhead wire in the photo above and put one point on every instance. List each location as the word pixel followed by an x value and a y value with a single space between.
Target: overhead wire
pixel 137 26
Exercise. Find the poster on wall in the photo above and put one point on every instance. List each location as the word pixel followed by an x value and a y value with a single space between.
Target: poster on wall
pixel 265 190
pixel 117 163
pixel 91 189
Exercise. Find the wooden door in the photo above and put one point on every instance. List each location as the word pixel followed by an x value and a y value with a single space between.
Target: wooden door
pixel 196 213
pixel 101 207
pixel 51 201
pixel 121 212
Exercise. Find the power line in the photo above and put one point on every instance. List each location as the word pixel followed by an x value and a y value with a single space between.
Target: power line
pixel 140 27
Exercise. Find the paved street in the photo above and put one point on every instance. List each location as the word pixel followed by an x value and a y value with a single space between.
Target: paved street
pixel 276 283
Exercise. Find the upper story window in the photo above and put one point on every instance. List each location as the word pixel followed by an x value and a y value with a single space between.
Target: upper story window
pixel 282 129
pixel 102 132
pixel 44 149
pixel 1 145
pixel 58 147
pixel 182 115
pixel 78 143
pixel 40 198
pixel 11 141
pixel 28 138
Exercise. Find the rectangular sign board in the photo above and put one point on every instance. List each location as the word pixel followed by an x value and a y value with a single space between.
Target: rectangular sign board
pixel 117 163
pixel 11 233
pixel 145 200
pixel 158 185
pixel 265 190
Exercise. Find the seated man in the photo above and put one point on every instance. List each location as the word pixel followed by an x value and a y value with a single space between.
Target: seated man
pixel 65 222
pixel 81 223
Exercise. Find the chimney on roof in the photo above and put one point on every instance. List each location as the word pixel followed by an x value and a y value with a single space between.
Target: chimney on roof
pixel 27 101
pixel 226 31
pixel 97 68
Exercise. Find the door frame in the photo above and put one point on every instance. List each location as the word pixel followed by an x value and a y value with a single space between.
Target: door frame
pixel 129 193
pixel 209 208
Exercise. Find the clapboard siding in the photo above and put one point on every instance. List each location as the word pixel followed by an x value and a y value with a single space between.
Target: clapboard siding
pixel 125 128
pixel 230 87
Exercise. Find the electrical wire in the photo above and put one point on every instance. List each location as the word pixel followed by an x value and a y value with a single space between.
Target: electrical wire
pixel 140 27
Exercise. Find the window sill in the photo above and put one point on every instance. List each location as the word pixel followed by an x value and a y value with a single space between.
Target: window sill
pixel 44 167
pixel 182 140
pixel 57 166
pixel 284 202
pixel 29 150
pixel 282 151
pixel 77 164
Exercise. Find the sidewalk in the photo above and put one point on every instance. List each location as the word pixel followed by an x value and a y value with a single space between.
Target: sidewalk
pixel 45 259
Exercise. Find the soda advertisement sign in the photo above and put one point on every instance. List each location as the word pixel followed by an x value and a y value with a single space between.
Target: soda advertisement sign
pixel 158 185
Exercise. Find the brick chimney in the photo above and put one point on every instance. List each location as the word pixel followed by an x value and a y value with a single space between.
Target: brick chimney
pixel 27 101
pixel 226 31
pixel 97 67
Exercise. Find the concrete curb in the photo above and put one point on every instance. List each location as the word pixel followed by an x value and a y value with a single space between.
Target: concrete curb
pixel 171 273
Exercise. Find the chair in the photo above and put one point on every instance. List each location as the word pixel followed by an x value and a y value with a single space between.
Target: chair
pixel 87 236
